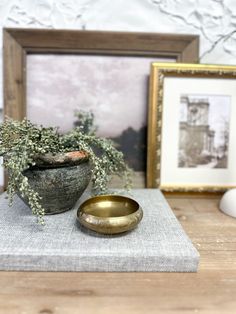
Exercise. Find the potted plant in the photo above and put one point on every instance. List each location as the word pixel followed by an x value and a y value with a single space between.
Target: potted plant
pixel 44 166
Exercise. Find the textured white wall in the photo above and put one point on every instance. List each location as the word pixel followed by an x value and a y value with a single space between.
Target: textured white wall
pixel 213 20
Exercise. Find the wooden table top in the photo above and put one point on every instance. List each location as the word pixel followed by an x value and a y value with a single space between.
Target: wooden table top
pixel 211 290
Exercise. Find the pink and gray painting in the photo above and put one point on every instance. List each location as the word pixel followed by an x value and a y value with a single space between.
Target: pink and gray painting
pixel 114 88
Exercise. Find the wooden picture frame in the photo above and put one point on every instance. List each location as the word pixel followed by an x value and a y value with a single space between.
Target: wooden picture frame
pixel 195 151
pixel 18 43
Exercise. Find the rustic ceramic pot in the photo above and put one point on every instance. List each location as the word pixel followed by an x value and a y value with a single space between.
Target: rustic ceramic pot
pixel 60 180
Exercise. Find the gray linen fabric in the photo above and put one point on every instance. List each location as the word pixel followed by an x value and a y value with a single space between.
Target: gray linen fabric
pixel 157 244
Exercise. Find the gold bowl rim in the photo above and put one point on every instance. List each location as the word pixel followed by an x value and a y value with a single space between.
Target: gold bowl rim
pixel 80 209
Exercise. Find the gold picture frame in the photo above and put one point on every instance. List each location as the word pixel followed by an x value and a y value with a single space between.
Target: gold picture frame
pixel 206 96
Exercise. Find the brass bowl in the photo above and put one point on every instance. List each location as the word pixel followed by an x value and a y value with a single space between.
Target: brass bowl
pixel 110 214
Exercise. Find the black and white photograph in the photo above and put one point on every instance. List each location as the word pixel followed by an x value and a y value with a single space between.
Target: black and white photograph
pixel 193 135
pixel 204 131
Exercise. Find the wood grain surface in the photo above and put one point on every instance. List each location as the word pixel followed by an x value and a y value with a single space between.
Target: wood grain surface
pixel 211 290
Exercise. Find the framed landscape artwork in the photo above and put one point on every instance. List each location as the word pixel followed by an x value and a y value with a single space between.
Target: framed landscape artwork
pixel 51 75
pixel 192 135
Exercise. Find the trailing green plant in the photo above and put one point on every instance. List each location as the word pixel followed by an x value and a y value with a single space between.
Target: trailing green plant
pixel 21 142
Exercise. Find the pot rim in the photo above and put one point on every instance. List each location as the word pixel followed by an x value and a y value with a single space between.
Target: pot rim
pixel 65 159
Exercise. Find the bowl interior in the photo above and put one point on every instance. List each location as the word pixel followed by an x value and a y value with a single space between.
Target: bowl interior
pixel 109 206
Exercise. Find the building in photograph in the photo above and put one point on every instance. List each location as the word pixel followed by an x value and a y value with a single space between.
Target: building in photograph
pixel 196 140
